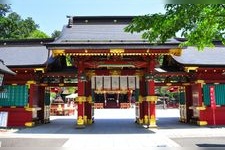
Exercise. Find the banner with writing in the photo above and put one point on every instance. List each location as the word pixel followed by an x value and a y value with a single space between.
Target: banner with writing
pixel 212 97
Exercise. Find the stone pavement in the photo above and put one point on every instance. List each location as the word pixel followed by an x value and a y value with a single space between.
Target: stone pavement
pixel 113 129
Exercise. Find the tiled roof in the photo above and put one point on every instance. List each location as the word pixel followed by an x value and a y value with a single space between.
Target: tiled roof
pixel 94 32
pixel 23 53
pixel 208 57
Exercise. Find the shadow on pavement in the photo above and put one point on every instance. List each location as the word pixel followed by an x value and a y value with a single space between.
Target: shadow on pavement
pixel 105 126
pixel 210 145
pixel 173 123
pixel 101 126
pixel 121 122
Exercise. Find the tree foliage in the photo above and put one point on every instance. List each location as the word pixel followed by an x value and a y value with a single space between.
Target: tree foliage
pixel 12 26
pixel 56 34
pixel 38 34
pixel 4 8
pixel 200 24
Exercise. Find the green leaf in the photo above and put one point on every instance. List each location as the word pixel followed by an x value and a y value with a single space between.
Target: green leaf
pixel 200 24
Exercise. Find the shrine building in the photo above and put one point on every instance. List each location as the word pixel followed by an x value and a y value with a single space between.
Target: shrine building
pixel 111 69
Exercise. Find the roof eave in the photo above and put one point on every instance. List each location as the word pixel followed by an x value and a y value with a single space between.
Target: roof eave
pixel 28 66
pixel 25 42
pixel 111 45
pixel 6 70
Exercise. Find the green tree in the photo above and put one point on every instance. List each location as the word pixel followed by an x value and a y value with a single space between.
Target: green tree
pixel 200 24
pixel 38 34
pixel 56 34
pixel 4 8
pixel 12 26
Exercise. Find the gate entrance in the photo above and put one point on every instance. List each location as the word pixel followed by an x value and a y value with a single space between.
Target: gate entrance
pixel 115 99
pixel 112 69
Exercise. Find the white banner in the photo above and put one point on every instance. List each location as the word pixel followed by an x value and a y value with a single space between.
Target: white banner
pixel 131 81
pixel 115 83
pixel 137 82
pixel 93 82
pixel 107 82
pixel 123 82
pixel 99 84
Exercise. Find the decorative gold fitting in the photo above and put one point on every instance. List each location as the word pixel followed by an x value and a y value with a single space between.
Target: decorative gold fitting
pixel 29 124
pixel 202 123
pixel 81 99
pixel 31 82
pixel 117 51
pixel 176 51
pixel 90 73
pixel 201 108
pixel 29 109
pixel 61 84
pixel 42 70
pixel 140 121
pixel 89 99
pixel 85 119
pixel 58 52
pixel 139 73
pixel 140 99
pixel 80 120
pixel 146 119
pixel 200 81
pixel 188 69
pixel 151 98
pixel 115 72
pixel 33 109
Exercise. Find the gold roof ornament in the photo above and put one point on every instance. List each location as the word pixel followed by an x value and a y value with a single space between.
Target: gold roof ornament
pixel 115 72
pixel 57 52
pixel 176 51
pixel 117 51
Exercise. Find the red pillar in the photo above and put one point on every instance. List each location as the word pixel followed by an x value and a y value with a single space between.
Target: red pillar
pixel 81 95
pixel 33 104
pixel 151 98
pixel 140 104
pixel 41 103
pixel 31 95
pixel 88 104
pixel 197 103
pixel 188 102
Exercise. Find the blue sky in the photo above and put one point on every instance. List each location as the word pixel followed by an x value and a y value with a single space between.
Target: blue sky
pixel 51 14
